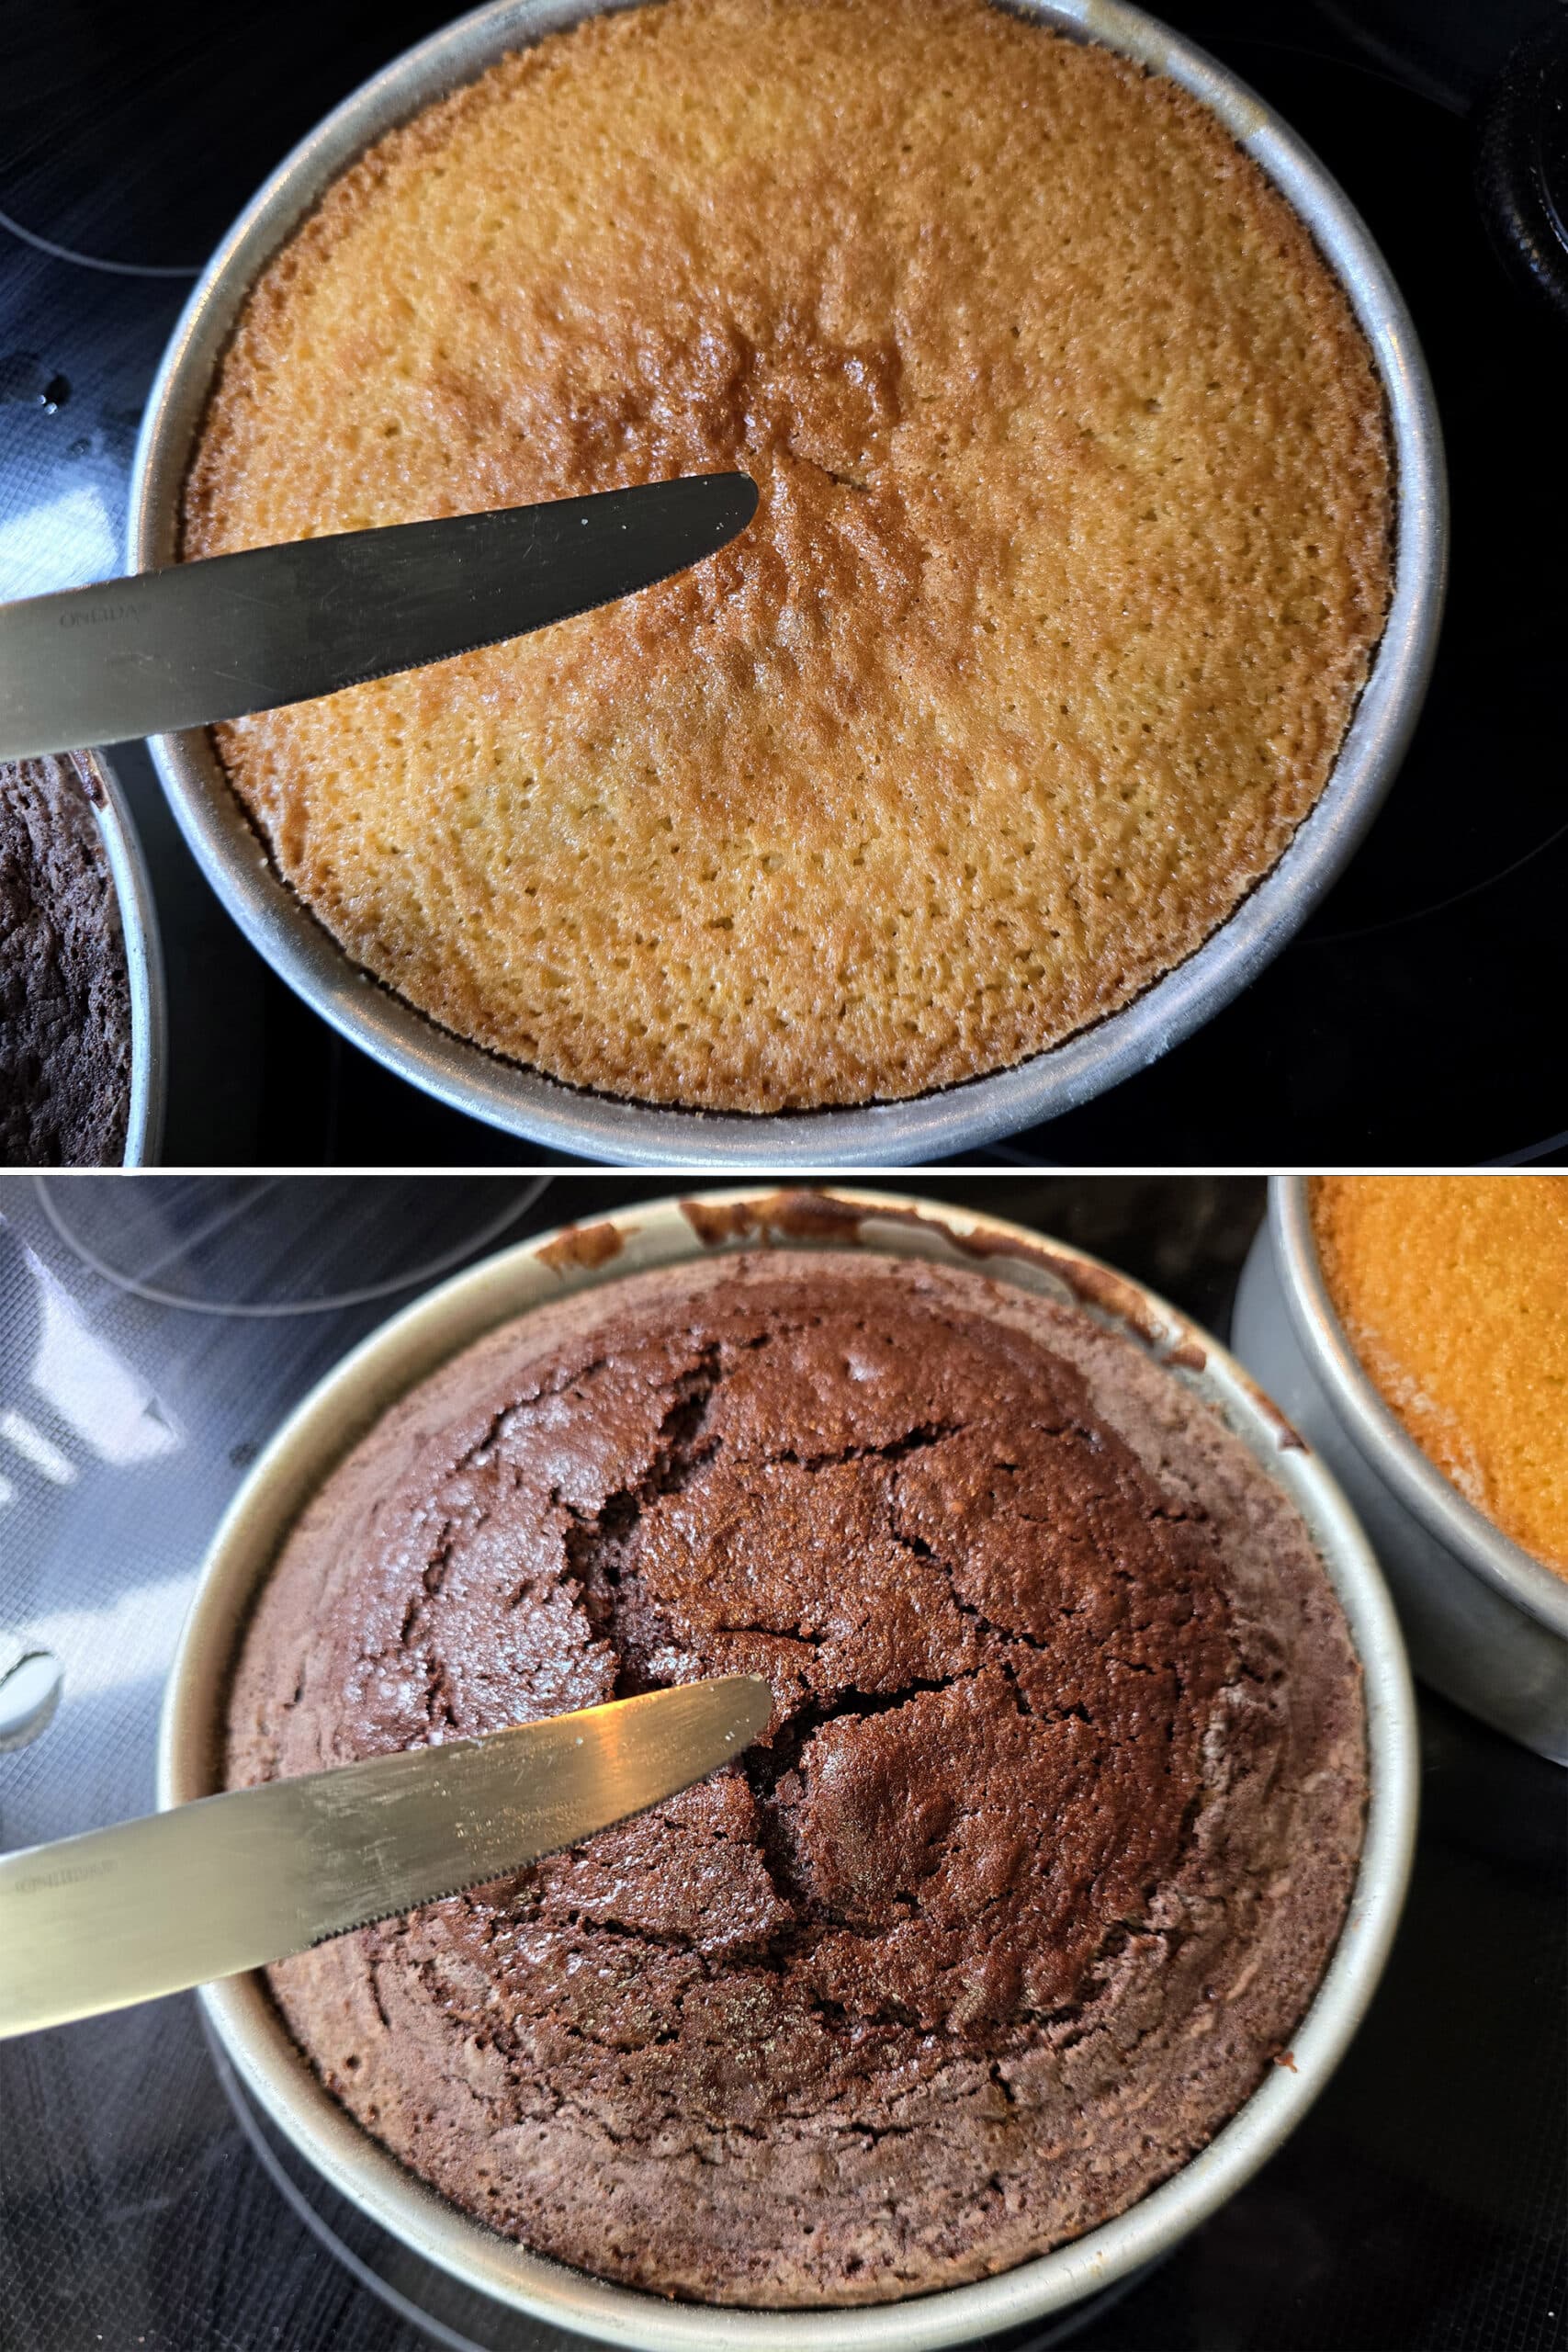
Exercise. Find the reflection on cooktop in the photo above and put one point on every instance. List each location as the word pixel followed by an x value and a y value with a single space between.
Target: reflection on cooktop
pixel 1401 1024
pixel 235 1245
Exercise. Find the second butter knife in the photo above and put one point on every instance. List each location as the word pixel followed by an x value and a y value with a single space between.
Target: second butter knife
pixel 198 642
pixel 155 1905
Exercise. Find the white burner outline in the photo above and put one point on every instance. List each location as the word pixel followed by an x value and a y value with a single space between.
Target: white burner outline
pixel 94 261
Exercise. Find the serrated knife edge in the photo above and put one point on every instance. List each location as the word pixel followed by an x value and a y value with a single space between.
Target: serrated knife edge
pixel 154 1905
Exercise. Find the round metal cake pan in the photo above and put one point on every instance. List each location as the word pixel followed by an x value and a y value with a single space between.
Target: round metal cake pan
pixel 525 1103
pixel 143 960
pixel 1486 1623
pixel 663 1233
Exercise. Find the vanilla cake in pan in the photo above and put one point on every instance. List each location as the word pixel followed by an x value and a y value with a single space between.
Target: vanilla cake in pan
pixel 1072 554
pixel 1453 1292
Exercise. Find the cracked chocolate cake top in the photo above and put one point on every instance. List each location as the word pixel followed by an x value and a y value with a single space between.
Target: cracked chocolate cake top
pixel 1035 1871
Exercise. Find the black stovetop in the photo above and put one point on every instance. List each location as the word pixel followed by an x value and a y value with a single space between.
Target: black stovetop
pixel 1412 1020
pixel 1419 2208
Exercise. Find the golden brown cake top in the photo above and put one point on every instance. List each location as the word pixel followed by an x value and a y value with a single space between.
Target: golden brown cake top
pixel 1071 554
pixel 1454 1292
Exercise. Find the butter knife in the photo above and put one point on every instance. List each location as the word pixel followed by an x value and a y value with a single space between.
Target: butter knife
pixel 197 642
pixel 204 1890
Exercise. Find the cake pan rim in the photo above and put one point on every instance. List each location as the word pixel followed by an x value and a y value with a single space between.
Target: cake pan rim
pixel 142 946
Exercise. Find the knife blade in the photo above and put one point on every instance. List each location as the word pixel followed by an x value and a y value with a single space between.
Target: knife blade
pixel 228 1883
pixel 198 642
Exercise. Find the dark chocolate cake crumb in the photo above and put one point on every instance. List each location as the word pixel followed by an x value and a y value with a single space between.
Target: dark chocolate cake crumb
pixel 1035 1872
pixel 64 994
